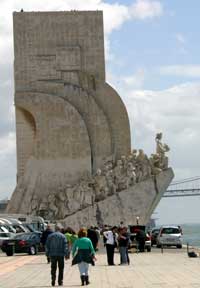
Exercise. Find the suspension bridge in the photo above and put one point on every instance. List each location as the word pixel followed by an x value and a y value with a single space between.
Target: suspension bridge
pixel 184 188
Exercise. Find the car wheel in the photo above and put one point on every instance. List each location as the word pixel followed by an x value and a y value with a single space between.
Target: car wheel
pixel 32 250
pixel 148 249
pixel 9 253
pixel 179 246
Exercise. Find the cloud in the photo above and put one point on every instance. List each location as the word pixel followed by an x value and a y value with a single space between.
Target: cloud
pixel 8 164
pixel 180 38
pixel 144 9
pixel 136 80
pixel 175 112
pixel 7 145
pixel 192 71
pixel 115 15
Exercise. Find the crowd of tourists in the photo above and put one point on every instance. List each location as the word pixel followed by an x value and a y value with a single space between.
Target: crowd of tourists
pixel 62 243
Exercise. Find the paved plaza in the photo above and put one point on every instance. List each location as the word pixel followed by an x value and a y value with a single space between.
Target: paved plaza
pixel 147 270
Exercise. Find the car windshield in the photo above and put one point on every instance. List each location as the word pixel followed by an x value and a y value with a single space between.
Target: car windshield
pixel 170 230
pixel 136 228
pixel 23 236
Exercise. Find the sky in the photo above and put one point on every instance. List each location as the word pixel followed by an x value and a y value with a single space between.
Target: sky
pixel 152 60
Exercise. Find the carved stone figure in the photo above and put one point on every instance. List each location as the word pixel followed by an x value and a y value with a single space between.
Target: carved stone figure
pixel 161 149
pixel 143 165
pixel 110 182
pixel 131 175
pixel 34 205
pixel 155 164
pixel 124 163
pixel 100 186
pixel 134 156
pixel 87 192
pixel 61 200
pixel 52 206
pixel 69 201
pixel 119 176
pixel 128 171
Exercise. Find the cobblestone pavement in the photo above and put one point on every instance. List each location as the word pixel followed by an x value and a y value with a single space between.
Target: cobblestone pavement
pixel 147 270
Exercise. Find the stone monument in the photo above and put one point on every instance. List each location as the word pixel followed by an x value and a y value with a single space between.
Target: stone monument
pixel 74 160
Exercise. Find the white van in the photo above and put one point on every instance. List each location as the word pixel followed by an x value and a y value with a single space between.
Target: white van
pixel 170 236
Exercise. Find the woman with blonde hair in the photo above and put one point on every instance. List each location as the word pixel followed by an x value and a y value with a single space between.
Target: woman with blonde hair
pixel 83 254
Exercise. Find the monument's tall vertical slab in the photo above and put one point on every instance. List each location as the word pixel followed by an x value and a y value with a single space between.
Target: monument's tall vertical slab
pixel 68 119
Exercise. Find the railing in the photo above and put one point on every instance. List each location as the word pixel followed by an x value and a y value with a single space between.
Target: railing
pixel 182 192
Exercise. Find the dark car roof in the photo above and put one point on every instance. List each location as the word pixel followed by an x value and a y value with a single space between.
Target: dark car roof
pixel 135 228
pixel 26 235
pixel 155 230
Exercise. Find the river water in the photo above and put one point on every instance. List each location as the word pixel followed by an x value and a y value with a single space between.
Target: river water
pixel 191 234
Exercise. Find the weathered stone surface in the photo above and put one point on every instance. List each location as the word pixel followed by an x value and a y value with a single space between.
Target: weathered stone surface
pixel 139 200
pixel 65 124
pixel 73 136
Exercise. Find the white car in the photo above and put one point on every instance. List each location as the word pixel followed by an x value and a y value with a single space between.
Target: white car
pixel 170 236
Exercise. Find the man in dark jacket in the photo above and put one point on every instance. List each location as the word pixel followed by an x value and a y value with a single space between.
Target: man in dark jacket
pixel 140 238
pixel 57 250
pixel 123 242
pixel 93 236
pixel 44 237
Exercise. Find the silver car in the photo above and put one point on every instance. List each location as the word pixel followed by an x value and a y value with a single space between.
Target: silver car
pixel 170 236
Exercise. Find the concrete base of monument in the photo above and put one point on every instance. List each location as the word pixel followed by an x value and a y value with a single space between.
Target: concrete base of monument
pixel 139 200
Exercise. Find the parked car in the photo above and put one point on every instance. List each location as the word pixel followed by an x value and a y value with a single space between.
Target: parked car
pixel 5 236
pixel 154 236
pixel 13 225
pixel 133 229
pixel 36 222
pixel 170 236
pixel 23 243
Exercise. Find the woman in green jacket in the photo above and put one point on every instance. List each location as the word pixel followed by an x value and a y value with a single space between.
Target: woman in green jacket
pixel 83 254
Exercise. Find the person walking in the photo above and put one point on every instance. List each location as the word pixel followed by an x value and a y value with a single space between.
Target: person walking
pixel 44 237
pixel 71 237
pixel 93 236
pixel 123 242
pixel 83 254
pixel 57 250
pixel 140 238
pixel 110 237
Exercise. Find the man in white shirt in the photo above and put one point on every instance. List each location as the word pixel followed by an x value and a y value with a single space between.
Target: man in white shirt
pixel 110 237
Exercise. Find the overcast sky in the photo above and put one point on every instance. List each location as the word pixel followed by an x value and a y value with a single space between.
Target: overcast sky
pixel 152 59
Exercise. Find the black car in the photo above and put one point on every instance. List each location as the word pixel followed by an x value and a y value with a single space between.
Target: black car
pixel 133 232
pixel 23 243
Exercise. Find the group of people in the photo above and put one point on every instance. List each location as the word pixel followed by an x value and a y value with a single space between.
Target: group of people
pixel 83 246
pixel 117 237
pixel 59 244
